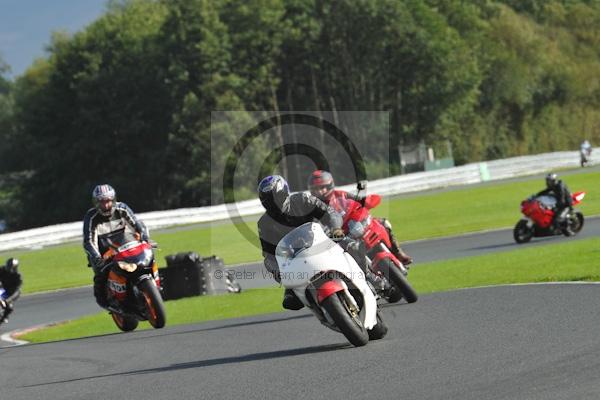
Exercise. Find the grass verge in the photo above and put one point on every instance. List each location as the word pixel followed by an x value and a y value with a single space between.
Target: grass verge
pixel 463 210
pixel 183 311
pixel 568 261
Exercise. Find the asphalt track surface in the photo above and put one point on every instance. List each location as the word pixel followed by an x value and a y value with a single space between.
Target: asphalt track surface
pixel 62 305
pixel 510 342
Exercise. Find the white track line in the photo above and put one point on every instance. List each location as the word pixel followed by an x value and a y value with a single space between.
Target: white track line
pixel 7 337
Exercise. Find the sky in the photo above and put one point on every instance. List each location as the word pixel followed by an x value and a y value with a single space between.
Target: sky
pixel 26 26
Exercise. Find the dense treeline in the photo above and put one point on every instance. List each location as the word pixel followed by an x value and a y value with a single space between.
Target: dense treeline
pixel 128 100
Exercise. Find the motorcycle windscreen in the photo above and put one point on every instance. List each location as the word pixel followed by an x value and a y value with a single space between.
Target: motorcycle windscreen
pixel 295 242
pixel 547 201
pixel 117 238
pixel 306 240
pixel 303 253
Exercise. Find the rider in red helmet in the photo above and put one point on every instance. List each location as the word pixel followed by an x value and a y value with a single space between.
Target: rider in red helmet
pixel 322 186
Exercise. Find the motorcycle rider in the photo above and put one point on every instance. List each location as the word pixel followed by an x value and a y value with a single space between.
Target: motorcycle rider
pixel 284 212
pixel 11 282
pixel 564 202
pixel 322 186
pixel 106 220
pixel 585 150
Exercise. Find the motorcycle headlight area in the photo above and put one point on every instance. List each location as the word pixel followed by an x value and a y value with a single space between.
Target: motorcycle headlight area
pixel 356 229
pixel 125 266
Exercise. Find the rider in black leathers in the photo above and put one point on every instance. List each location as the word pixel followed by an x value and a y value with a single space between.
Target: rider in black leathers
pixel 106 220
pixel 564 202
pixel 11 282
pixel 284 212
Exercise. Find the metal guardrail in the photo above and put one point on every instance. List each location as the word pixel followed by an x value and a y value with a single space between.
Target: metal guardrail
pixel 463 175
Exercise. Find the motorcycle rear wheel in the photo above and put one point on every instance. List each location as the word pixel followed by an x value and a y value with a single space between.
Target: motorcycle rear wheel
pixel 154 304
pixel 345 319
pixel 401 286
pixel 575 224
pixel 124 323
pixel 522 232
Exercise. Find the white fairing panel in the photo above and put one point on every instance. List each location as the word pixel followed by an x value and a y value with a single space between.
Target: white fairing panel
pixel 307 251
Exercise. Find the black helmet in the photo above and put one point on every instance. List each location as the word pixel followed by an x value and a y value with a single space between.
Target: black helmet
pixel 321 184
pixel 102 193
pixel 273 191
pixel 11 265
pixel 551 180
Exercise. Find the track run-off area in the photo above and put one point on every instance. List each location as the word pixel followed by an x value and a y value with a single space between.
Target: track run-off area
pixel 505 342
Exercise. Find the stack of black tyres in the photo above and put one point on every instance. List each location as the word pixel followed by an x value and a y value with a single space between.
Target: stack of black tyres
pixel 184 276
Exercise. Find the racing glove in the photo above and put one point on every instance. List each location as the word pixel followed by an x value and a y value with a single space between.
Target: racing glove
pixel 338 233
pixel 98 264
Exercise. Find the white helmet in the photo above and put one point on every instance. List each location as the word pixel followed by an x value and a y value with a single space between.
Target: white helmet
pixel 102 193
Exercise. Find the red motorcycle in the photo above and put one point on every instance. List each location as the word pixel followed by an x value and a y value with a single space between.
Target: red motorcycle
pixel 359 224
pixel 539 214
pixel 133 289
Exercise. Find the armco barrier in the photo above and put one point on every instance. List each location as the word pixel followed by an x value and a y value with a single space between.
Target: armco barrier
pixel 463 175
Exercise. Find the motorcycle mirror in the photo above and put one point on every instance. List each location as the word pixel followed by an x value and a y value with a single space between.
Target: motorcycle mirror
pixel 361 185
pixel 372 201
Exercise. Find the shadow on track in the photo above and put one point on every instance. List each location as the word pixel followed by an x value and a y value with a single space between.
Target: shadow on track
pixel 213 362
pixel 535 241
pixel 276 318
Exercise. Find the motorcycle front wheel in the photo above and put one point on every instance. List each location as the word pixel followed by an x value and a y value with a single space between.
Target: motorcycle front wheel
pixel 346 318
pixel 401 286
pixel 155 307
pixel 124 323
pixel 522 232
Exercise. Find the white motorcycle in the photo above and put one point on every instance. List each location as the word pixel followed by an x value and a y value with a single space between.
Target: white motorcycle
pixel 330 283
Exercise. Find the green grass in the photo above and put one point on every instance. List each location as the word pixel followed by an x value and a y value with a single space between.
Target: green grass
pixel 414 217
pixel 493 205
pixel 183 311
pixel 568 261
pixel 564 262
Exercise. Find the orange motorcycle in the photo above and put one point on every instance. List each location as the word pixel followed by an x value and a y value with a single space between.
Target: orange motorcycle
pixel 133 289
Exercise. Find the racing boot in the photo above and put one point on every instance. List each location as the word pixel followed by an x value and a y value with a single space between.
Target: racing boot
pixel 291 301
pixel 100 289
pixel 404 258
pixel 381 286
pixel 396 249
pixel 8 308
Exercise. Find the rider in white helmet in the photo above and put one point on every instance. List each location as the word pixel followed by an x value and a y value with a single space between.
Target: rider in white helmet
pixel 108 218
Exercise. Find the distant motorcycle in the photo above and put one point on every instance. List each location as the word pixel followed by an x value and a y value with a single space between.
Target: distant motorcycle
pixel 330 283
pixel 3 305
pixel 359 224
pixel 538 216
pixel 585 156
pixel 133 288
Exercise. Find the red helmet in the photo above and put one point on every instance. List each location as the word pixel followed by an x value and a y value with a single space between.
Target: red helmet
pixel 321 185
